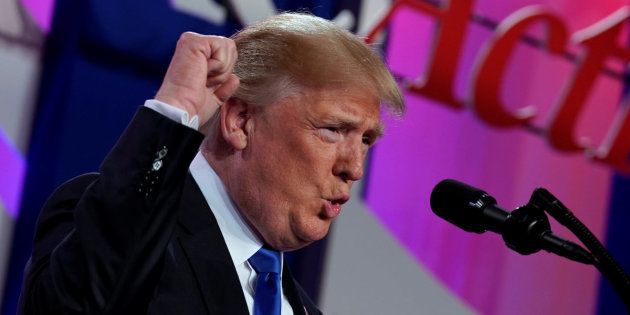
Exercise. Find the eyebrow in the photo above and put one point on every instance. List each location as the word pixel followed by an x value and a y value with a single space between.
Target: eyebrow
pixel 377 132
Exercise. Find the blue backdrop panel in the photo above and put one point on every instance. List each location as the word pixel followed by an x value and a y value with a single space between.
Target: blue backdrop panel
pixel 102 60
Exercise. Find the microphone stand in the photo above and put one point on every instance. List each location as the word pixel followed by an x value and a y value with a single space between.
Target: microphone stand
pixel 603 261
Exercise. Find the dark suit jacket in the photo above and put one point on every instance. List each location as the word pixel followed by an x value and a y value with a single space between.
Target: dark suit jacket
pixel 137 238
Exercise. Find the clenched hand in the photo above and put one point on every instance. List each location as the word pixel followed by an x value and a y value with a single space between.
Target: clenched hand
pixel 199 78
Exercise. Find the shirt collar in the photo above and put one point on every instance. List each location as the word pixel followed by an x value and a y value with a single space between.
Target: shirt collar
pixel 241 241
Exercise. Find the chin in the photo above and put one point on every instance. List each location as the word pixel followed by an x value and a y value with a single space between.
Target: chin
pixel 301 239
pixel 311 234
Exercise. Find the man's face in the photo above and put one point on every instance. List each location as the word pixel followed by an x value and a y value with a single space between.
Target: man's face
pixel 302 156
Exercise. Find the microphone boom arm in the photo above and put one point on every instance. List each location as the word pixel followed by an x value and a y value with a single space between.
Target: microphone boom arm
pixel 527 230
pixel 603 261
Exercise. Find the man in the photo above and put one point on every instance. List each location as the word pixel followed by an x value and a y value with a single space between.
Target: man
pixel 177 220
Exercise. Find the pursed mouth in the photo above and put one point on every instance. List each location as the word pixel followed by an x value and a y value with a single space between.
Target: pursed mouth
pixel 339 200
pixel 333 206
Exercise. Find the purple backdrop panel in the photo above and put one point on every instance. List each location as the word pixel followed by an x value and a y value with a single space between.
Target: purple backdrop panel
pixel 12 168
pixel 433 142
pixel 41 11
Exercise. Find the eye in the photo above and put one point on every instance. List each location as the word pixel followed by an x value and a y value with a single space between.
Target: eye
pixel 330 133
pixel 368 140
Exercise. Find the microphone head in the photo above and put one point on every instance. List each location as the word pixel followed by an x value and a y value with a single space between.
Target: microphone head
pixel 461 204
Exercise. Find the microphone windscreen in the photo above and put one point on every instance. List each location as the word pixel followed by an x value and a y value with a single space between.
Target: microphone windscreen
pixel 461 204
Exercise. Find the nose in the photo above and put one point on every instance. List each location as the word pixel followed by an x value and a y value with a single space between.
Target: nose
pixel 350 162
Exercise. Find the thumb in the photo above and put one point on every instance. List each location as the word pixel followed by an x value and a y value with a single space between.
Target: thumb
pixel 225 91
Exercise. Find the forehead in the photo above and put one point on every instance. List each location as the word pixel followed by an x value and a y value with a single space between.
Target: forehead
pixel 351 105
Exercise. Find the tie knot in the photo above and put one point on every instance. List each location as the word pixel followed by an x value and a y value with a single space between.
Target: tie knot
pixel 266 260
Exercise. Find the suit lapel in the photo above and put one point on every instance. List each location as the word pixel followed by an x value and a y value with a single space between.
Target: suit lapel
pixel 208 255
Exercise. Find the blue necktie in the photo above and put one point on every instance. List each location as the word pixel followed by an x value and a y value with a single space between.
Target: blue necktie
pixel 266 262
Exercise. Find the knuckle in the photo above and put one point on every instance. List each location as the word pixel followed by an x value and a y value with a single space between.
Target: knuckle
pixel 186 38
pixel 224 41
pixel 216 39
pixel 230 43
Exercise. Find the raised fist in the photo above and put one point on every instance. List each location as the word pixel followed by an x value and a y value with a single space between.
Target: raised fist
pixel 199 78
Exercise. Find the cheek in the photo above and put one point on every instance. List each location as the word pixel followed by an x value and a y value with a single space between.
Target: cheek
pixel 293 171
pixel 303 158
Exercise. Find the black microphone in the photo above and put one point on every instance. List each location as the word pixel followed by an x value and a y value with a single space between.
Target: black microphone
pixel 525 230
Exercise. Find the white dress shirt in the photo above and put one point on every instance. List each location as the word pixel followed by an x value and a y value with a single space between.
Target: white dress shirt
pixel 241 241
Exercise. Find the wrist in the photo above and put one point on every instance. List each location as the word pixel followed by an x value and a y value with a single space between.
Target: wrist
pixel 176 100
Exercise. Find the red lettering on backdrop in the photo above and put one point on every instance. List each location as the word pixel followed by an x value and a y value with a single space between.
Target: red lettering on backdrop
pixel 453 23
pixel 438 82
pixel 601 41
pixel 413 4
pixel 615 150
pixel 491 63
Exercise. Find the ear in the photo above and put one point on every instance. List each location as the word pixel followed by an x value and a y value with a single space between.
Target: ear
pixel 235 122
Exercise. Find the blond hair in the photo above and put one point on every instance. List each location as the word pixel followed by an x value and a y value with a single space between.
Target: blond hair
pixel 289 52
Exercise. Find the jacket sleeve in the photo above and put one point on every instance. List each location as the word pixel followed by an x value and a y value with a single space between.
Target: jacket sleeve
pixel 100 238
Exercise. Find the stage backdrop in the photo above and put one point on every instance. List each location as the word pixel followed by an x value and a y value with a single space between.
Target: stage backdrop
pixel 387 253
pixel 101 60
pixel 447 56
